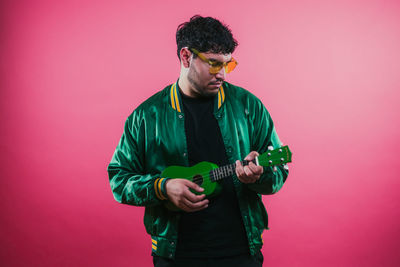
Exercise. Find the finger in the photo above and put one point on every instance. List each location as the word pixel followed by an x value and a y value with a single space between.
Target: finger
pixel 195 206
pixel 241 174
pixel 202 208
pixel 257 170
pixel 239 169
pixel 197 209
pixel 249 177
pixel 193 197
pixel 248 171
pixel 247 180
pixel 183 206
pixel 194 186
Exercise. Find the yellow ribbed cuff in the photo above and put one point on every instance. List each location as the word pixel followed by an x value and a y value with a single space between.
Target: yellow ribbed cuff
pixel 159 188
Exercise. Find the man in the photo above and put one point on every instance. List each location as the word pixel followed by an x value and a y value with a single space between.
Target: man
pixel 199 118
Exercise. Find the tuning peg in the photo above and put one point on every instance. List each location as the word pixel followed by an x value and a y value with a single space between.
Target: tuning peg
pixel 274 169
pixel 270 148
pixel 286 167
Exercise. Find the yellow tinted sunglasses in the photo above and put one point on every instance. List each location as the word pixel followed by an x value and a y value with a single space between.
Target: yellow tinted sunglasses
pixel 216 66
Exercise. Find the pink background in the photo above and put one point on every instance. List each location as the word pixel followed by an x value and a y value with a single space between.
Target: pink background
pixel 72 71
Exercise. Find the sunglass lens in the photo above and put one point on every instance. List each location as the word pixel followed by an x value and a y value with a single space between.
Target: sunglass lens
pixel 230 66
pixel 215 69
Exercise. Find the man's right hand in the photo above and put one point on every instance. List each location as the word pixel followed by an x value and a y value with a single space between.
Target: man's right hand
pixel 179 194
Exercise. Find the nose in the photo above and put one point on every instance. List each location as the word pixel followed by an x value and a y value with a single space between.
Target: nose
pixel 221 74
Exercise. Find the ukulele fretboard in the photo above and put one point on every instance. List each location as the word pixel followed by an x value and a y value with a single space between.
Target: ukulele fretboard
pixel 226 171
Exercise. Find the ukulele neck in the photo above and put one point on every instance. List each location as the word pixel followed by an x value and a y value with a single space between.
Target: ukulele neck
pixel 228 170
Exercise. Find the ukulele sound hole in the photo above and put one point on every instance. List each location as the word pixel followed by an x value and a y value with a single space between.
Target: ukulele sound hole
pixel 198 179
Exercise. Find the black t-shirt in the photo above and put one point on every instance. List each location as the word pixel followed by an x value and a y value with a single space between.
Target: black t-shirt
pixel 218 230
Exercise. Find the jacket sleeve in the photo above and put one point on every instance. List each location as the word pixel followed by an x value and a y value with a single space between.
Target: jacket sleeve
pixel 264 135
pixel 129 182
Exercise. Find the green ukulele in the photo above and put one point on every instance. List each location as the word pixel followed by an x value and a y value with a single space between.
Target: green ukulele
pixel 207 174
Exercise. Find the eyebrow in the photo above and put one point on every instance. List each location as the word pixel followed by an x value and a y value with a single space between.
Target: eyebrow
pixel 216 60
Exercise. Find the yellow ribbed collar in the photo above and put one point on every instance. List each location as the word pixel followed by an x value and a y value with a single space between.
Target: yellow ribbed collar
pixel 176 102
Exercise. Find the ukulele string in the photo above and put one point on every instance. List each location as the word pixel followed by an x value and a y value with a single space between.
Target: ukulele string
pixel 226 166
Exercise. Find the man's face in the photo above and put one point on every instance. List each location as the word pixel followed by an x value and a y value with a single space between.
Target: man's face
pixel 202 82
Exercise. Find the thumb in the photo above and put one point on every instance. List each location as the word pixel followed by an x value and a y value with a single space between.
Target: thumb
pixel 252 155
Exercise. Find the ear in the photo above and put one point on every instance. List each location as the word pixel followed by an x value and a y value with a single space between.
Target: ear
pixel 185 56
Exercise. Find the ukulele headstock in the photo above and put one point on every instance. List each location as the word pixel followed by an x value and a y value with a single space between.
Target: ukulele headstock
pixel 279 156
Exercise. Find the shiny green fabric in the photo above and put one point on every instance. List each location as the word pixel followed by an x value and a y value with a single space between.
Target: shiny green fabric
pixel 154 138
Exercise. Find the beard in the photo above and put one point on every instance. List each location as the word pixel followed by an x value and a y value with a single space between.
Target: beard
pixel 194 79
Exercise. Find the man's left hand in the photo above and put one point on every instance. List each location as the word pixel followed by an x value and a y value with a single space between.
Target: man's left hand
pixel 250 173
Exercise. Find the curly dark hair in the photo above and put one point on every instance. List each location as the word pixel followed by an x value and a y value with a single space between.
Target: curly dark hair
pixel 206 34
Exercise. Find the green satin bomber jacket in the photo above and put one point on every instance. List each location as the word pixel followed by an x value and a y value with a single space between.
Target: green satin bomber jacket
pixel 154 138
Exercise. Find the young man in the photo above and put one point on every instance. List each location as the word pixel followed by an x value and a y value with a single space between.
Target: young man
pixel 201 117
